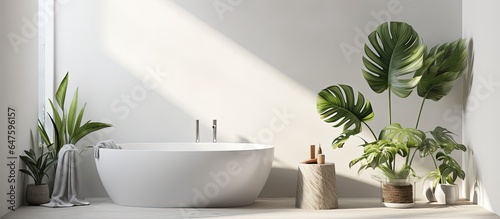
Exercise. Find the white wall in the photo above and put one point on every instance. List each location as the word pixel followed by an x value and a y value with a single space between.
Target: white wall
pixel 153 67
pixel 480 19
pixel 18 89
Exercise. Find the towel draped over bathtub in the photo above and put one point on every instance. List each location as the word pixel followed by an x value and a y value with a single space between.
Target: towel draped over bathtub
pixel 66 192
pixel 105 144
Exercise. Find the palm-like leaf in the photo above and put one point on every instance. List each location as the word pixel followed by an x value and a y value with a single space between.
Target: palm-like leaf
pixel 338 105
pixel 442 67
pixel 395 55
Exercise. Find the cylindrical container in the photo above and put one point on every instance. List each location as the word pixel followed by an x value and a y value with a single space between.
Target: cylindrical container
pixel 397 193
pixel 316 187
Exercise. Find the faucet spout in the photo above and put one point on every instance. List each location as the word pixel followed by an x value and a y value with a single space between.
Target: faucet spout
pixel 214 129
pixel 197 130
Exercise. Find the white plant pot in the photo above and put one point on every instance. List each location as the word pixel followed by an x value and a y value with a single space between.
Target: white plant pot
pixel 429 190
pixel 446 194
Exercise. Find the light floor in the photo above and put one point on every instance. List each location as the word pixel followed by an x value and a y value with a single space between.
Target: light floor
pixel 262 208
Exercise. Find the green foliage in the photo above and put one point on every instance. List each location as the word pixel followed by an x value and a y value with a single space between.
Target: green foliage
pixel 395 52
pixel 395 141
pixel 443 145
pixel 443 66
pixel 338 105
pixel 397 60
pixel 67 125
pixel 37 163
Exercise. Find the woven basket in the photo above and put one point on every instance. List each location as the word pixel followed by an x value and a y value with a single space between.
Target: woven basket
pixel 37 194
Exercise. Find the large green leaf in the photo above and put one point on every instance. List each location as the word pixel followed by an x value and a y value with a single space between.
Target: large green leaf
pixel 72 114
pixel 443 65
pixel 392 56
pixel 61 91
pixel 409 136
pixel 338 105
pixel 59 125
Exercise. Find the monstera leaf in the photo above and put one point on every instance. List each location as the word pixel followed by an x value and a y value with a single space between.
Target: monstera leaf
pixel 443 65
pixel 392 56
pixel 338 105
pixel 410 136
pixel 446 141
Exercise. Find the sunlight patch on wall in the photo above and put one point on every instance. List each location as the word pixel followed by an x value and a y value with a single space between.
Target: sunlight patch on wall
pixel 210 76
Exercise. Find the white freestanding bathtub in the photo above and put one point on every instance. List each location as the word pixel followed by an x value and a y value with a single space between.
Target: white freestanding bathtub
pixel 185 174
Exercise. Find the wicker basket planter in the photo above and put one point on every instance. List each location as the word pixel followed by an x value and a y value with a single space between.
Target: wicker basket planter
pixel 37 194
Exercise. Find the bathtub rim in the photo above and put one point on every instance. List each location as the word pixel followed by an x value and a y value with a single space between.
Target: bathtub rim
pixel 194 146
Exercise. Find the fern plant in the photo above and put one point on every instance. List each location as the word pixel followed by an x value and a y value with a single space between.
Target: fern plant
pixel 396 61
pixel 68 126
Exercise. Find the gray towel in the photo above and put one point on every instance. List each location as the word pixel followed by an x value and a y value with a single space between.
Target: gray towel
pixel 105 144
pixel 66 190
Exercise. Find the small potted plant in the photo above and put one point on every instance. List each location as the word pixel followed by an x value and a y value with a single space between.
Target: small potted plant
pixel 443 188
pixel 396 61
pixel 37 163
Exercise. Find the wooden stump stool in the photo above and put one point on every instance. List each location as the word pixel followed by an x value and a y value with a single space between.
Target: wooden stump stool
pixel 316 186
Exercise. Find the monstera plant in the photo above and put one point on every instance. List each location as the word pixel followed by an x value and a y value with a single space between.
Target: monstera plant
pixel 397 62
pixel 448 171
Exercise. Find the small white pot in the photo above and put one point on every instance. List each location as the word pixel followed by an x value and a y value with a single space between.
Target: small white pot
pixel 429 190
pixel 446 193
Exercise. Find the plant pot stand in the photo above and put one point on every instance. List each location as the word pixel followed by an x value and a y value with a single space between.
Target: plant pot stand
pixel 316 187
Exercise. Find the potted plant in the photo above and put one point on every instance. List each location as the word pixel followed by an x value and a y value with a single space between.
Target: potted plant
pixel 67 125
pixel 443 188
pixel 396 61
pixel 37 163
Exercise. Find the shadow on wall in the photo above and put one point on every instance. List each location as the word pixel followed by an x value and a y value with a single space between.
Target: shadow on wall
pixel 472 185
pixel 274 186
pixel 469 74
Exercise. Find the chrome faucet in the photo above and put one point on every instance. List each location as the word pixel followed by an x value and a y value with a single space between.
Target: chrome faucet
pixel 214 128
pixel 197 130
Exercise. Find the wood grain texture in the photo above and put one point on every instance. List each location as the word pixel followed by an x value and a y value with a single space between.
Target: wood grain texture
pixel 316 186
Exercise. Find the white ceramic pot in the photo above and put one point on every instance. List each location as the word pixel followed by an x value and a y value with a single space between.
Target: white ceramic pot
pixel 446 193
pixel 428 190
